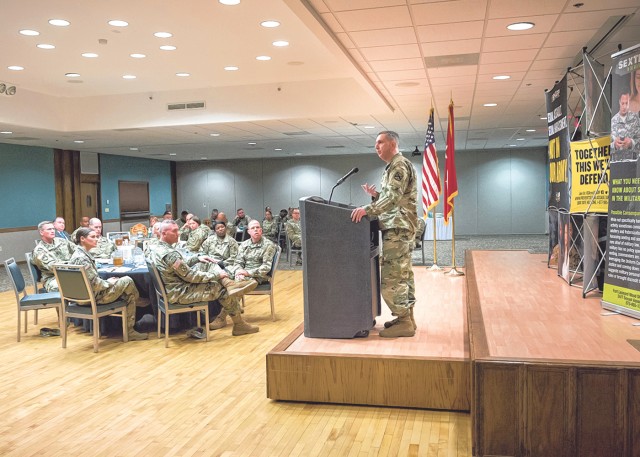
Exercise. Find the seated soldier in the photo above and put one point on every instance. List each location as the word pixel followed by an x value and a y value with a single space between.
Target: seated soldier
pixel 184 231
pixel 254 260
pixel 294 232
pixel 270 227
pixel 104 248
pixel 197 235
pixel 152 242
pixel 220 246
pixel 186 285
pixel 49 251
pixel 84 222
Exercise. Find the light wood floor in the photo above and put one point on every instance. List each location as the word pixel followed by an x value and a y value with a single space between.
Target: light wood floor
pixel 195 398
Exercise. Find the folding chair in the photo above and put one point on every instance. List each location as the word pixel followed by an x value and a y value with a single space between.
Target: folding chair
pixel 267 288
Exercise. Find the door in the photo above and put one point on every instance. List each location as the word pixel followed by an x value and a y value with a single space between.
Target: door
pixel 89 199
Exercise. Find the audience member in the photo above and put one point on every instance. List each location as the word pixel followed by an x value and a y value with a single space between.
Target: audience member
pixel 59 225
pixel 103 248
pixel 184 231
pixel 49 251
pixel 294 232
pixel 270 226
pixel 220 246
pixel 197 235
pixel 84 222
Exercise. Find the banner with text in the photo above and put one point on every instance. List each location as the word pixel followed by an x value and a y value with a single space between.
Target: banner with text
pixel 590 175
pixel 559 169
pixel 622 276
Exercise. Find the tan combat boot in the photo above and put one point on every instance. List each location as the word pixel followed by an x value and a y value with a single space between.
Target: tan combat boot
pixel 402 328
pixel 133 335
pixel 240 327
pixel 238 288
pixel 219 322
pixel 395 321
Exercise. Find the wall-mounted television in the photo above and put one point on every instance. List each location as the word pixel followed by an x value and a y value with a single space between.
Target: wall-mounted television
pixel 134 199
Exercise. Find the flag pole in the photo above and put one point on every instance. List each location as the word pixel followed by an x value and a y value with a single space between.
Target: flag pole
pixel 435 266
pixel 454 271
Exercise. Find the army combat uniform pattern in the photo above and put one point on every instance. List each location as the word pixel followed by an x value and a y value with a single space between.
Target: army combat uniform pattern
pixel 395 207
pixel 270 229
pixel 104 291
pixel 294 232
pixel 46 254
pixel 186 285
pixel 222 249
pixel 256 258
pixel 103 249
pixel 197 237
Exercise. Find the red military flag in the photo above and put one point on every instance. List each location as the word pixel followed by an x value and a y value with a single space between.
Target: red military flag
pixel 450 180
pixel 430 170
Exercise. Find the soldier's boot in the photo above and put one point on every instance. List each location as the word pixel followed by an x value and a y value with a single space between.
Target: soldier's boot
pixel 395 321
pixel 238 288
pixel 240 327
pixel 135 335
pixel 402 328
pixel 219 322
pixel 413 321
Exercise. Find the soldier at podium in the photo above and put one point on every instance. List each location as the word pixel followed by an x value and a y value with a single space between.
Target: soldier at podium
pixel 395 207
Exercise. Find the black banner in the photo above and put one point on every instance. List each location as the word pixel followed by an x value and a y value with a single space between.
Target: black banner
pixel 559 147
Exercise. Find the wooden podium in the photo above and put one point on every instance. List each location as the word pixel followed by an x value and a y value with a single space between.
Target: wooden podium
pixel 341 270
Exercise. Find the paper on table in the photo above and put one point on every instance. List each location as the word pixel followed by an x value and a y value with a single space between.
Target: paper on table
pixel 122 269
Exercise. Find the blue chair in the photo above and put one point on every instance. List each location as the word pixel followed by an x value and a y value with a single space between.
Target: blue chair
pixel 36 278
pixel 267 288
pixel 32 301
pixel 79 301
pixel 166 308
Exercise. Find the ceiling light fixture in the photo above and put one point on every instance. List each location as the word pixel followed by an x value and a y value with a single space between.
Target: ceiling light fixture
pixel 519 139
pixel 72 75
pixel 490 104
pixel 369 127
pixel 229 2
pixel 45 46
pixel 118 23
pixel 137 55
pixel 128 76
pixel 512 145
pixel 501 77
pixel 270 24
pixel 28 32
pixel 183 75
pixel 6 132
pixel 133 149
pixel 168 47
pixel 278 149
pixel 531 130
pixel 78 141
pixel 89 55
pixel 263 58
pixel 280 43
pixel 163 34
pixel 15 67
pixel 298 153
pixel 252 144
pixel 517 26
pixel 214 134
pixel 59 22
pixel 543 118
pixel 231 68
pixel 173 154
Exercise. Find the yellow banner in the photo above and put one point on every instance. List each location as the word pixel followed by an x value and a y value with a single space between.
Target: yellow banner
pixel 588 160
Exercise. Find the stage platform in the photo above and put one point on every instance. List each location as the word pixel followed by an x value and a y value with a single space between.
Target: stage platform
pixel 430 370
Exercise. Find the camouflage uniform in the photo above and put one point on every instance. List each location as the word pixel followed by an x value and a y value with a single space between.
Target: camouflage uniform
pixel 104 291
pixel 241 222
pixel 149 246
pixel 186 285
pixel 422 225
pixel 46 254
pixel 197 237
pixel 270 229
pixel 294 232
pixel 103 249
pixel 221 249
pixel 397 213
pixel 256 258
pixel 184 232
pixel 629 127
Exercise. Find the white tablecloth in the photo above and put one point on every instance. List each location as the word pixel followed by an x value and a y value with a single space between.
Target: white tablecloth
pixel 443 232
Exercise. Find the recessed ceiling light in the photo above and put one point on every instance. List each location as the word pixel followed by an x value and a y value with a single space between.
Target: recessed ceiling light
pixel 513 145
pixel 59 22
pixel 531 130
pixel 229 2
pixel 490 104
pixel 231 68
pixel 214 134
pixel 278 149
pixel 28 32
pixel 168 47
pixel 163 34
pixel 263 58
pixel 203 158
pixel 183 74
pixel 133 149
pixel 173 154
pixel 78 141
pixel 118 23
pixel 128 76
pixel 520 26
pixel 298 153
pixel 137 55
pixel 90 55
pixel 270 24
pixel 369 127
pixel 500 77
pixel 543 118
pixel 6 132
pixel 72 75
pixel 15 67
pixel 519 139
pixel 252 144
pixel 45 46
pixel 280 43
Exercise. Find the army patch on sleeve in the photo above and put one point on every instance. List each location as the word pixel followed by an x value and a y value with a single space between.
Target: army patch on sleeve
pixel 398 176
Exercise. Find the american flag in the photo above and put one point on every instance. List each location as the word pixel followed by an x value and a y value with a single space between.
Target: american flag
pixel 430 170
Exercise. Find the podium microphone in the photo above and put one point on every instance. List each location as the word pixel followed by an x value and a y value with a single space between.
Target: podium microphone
pixel 344 178
pixel 353 171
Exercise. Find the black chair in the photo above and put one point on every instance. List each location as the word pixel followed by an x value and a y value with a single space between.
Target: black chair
pixel 267 288
pixel 79 301
pixel 33 301
pixel 166 308
pixel 36 278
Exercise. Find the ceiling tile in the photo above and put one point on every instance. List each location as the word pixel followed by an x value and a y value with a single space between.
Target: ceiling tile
pixel 403 51
pixel 498 27
pixel 397 64
pixel 444 12
pixel 349 5
pixel 577 38
pixel 451 47
pixel 403 75
pixel 377 18
pixel 519 8
pixel 384 37
pixel 446 32
pixel 525 55
pixel 534 41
